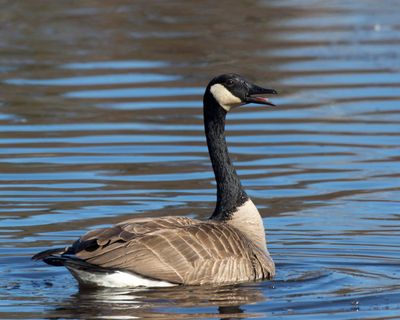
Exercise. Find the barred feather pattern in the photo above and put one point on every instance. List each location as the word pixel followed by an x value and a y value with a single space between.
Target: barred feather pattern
pixel 178 250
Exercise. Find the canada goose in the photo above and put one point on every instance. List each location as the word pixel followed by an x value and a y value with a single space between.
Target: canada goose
pixel 230 247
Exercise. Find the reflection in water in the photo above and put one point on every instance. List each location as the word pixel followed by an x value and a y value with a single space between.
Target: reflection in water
pixel 210 302
pixel 100 119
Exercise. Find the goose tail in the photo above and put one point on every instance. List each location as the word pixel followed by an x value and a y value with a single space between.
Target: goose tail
pixel 44 255
pixel 58 257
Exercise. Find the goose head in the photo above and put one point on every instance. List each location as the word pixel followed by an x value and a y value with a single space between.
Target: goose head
pixel 232 90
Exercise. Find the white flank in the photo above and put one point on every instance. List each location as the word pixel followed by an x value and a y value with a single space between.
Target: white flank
pixel 117 279
pixel 224 97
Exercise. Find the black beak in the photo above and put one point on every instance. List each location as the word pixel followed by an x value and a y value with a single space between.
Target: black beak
pixel 256 90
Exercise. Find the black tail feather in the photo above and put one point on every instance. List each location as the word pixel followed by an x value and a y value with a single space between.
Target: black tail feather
pixel 44 254
pixel 58 257
pixel 57 261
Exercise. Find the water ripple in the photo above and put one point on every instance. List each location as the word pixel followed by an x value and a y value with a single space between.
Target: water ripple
pixel 101 121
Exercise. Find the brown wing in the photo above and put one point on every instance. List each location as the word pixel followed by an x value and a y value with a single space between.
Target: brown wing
pixel 175 249
pixel 128 230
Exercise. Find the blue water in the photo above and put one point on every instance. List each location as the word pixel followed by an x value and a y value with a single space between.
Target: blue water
pixel 101 120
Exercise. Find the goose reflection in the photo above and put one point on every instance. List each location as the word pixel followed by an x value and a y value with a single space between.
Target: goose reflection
pixel 227 302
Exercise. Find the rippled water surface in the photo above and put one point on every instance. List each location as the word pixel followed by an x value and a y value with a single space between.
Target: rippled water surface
pixel 101 120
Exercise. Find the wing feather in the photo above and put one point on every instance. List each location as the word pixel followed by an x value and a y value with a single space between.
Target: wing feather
pixel 174 249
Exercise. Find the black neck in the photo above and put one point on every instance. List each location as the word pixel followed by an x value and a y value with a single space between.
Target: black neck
pixel 230 193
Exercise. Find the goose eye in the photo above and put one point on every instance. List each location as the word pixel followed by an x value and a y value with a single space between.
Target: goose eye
pixel 229 82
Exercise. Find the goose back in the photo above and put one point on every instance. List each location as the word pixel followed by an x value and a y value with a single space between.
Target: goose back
pixel 178 250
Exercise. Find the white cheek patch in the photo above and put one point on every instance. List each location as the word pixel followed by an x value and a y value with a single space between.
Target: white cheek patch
pixel 224 97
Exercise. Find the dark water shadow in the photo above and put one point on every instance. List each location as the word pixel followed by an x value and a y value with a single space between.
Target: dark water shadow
pixel 226 302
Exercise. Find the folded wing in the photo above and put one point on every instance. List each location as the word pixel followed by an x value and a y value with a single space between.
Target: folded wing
pixel 174 249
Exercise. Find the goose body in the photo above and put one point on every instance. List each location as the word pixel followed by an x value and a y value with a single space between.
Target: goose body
pixel 228 248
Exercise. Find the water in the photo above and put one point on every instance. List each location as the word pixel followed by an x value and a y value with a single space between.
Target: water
pixel 100 120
